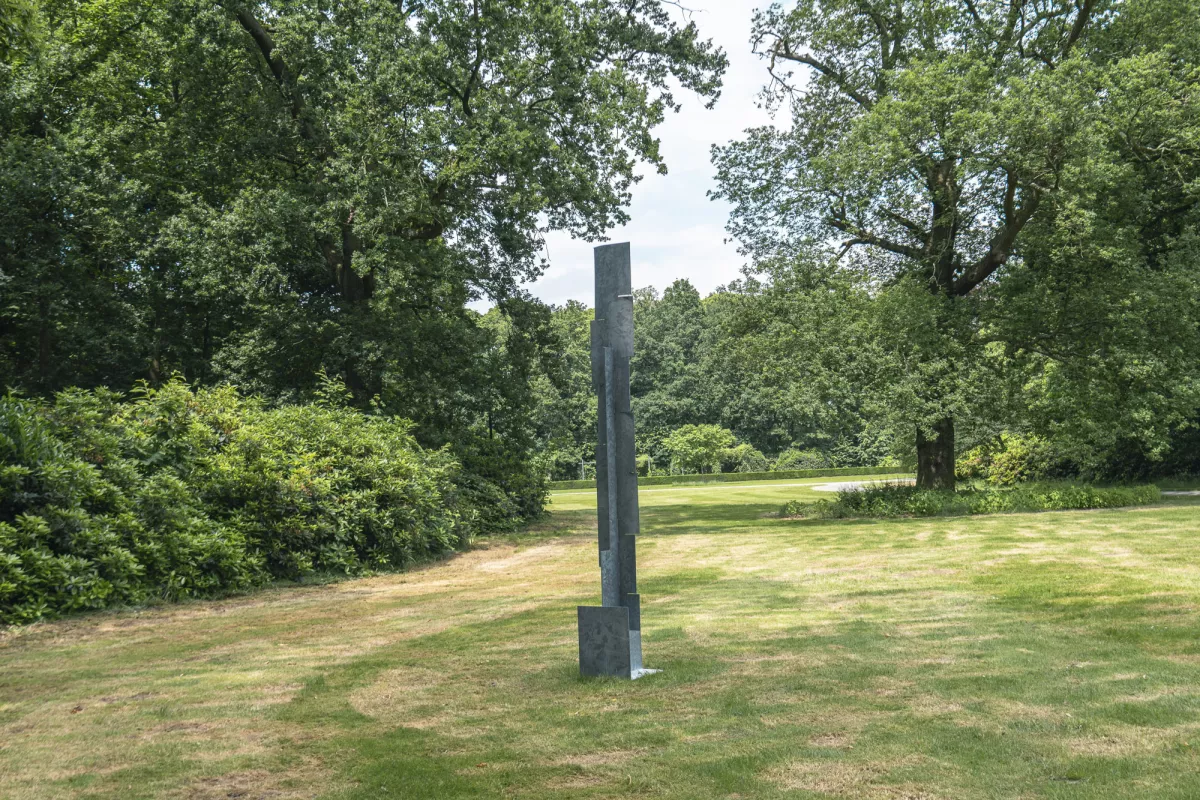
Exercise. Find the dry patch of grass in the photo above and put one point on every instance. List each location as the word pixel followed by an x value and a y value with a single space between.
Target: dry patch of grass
pixel 849 779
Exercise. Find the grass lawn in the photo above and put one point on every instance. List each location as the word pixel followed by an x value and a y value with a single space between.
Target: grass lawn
pixel 1050 655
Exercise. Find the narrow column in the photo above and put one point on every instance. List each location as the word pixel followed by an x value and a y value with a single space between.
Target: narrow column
pixel 610 638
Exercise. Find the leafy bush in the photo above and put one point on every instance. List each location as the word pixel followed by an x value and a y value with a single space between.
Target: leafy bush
pixel 800 459
pixel 85 530
pixel 501 484
pixel 698 448
pixel 743 458
pixel 181 493
pixel 328 490
pixel 903 501
pixel 564 464
pixel 1010 460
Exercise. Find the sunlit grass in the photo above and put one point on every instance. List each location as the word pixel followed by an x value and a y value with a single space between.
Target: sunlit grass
pixel 1047 655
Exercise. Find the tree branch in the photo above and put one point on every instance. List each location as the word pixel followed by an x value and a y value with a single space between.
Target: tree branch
pixel 862 236
pixel 266 45
pixel 783 50
pixel 973 11
pixel 1081 21
pixel 283 77
pixel 1001 245
pixel 474 76
pixel 913 227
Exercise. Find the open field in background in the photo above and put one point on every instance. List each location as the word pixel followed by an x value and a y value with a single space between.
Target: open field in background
pixel 1052 655
pixel 766 496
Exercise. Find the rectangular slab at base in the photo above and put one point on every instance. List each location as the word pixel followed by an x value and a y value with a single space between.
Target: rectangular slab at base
pixel 606 646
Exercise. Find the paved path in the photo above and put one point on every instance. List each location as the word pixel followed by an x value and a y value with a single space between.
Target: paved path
pixel 854 486
pixel 730 485
pixel 821 487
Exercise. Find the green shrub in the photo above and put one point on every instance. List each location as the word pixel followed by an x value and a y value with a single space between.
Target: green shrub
pixel 333 491
pixel 1008 461
pixel 563 464
pixel 643 466
pixel 180 493
pixel 973 464
pixel 905 501
pixel 743 458
pixel 800 459
pixel 83 525
pixel 698 448
pixel 503 487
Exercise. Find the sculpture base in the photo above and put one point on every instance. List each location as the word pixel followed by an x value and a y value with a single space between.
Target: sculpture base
pixel 607 648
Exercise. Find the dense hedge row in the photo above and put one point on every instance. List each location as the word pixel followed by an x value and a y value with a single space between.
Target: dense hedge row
pixel 183 493
pixel 909 501
pixel 737 477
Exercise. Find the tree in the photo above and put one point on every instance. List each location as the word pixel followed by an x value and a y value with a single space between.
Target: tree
pixel 698 448
pixel 565 404
pixel 926 138
pixel 788 363
pixel 253 192
pixel 781 364
pixel 298 179
pixel 1100 314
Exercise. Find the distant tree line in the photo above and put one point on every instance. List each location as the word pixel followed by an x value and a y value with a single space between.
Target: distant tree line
pixel 703 386
pixel 800 370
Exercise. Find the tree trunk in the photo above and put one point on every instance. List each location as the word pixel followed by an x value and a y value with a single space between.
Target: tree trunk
pixel 356 292
pixel 45 345
pixel 935 456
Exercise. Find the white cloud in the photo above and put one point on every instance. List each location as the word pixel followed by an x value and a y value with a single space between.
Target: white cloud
pixel 675 231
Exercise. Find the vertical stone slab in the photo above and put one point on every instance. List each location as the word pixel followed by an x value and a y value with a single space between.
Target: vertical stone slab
pixel 613 275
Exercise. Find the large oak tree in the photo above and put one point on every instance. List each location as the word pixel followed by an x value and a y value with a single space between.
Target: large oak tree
pixel 926 136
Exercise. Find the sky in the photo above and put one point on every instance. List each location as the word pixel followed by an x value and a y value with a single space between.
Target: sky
pixel 675 230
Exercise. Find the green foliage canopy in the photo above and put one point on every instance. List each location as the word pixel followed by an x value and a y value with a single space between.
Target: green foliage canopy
pixel 255 192
pixel 999 177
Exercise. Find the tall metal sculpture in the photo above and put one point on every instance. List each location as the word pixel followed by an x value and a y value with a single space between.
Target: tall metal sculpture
pixel 610 635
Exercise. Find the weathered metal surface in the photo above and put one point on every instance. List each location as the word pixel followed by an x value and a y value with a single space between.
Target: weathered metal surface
pixel 610 581
pixel 616 478
pixel 604 641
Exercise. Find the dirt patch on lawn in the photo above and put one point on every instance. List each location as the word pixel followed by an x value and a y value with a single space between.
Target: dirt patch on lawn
pixel 258 784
